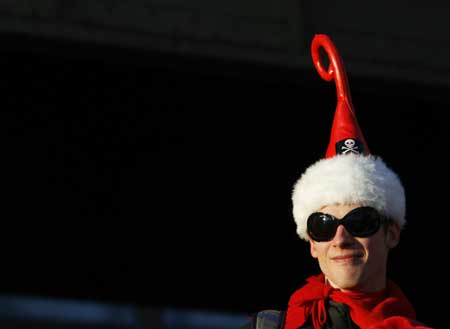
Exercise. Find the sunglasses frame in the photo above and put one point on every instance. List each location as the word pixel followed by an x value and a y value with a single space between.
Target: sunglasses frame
pixel 346 222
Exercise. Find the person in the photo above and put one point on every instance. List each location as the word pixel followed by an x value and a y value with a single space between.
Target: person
pixel 350 208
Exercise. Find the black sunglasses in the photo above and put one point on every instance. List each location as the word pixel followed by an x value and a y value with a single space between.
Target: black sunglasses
pixel 360 222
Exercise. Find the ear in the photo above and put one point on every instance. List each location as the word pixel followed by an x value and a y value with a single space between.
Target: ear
pixel 392 234
pixel 312 248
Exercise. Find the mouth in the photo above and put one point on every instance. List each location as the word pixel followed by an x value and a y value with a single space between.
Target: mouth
pixel 344 258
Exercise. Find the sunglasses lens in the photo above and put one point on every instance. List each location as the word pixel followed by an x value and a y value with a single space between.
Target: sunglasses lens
pixel 362 222
pixel 321 227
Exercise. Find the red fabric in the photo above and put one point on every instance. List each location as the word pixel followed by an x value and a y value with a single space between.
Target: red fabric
pixel 388 308
pixel 398 322
pixel 345 125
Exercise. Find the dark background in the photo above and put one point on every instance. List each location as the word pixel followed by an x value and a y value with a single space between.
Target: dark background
pixel 151 179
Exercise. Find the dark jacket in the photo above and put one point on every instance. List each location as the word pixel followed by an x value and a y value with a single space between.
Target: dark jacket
pixel 338 317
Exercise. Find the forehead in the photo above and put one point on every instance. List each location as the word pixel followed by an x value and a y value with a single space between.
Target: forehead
pixel 339 210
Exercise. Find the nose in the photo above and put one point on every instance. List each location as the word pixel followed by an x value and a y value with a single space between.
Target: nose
pixel 343 237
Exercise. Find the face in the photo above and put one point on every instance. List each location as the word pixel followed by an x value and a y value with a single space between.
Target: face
pixel 354 264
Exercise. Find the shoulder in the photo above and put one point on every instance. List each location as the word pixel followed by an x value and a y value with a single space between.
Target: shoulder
pixel 400 322
pixel 266 319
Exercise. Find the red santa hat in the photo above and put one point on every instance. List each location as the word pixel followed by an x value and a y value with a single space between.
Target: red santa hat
pixel 348 174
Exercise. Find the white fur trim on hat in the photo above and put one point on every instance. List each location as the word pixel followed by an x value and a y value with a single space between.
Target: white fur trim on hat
pixel 348 179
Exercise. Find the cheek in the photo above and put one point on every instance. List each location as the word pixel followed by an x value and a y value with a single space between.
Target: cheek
pixel 319 250
pixel 376 249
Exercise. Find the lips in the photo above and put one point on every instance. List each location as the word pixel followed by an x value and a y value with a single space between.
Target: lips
pixel 346 257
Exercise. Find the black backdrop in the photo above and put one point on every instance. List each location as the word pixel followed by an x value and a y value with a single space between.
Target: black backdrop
pixel 158 180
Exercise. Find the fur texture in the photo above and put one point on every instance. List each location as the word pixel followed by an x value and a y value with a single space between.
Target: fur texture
pixel 349 178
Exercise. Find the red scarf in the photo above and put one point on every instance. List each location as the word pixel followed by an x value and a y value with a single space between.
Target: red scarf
pixel 388 308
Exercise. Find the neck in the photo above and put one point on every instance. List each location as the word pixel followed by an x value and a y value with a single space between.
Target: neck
pixel 363 288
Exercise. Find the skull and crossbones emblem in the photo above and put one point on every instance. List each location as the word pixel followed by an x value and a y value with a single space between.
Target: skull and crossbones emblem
pixel 349 146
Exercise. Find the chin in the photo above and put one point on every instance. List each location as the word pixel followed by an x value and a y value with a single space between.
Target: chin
pixel 346 280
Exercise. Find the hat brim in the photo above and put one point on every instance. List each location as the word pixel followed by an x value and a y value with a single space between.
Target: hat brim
pixel 348 179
